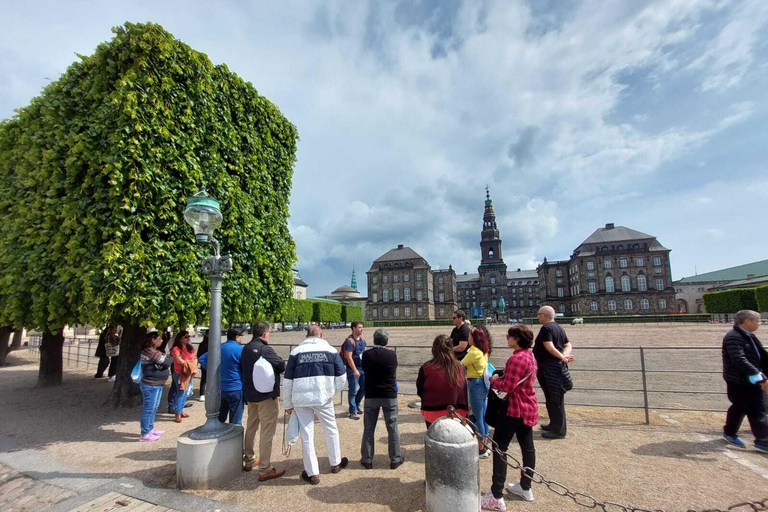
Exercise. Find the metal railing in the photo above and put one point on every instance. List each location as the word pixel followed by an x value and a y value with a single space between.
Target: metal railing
pixel 78 352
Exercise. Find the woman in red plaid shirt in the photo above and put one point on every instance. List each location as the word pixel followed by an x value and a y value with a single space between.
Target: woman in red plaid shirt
pixel 521 415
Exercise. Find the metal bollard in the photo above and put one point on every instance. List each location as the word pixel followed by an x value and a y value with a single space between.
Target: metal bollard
pixel 451 463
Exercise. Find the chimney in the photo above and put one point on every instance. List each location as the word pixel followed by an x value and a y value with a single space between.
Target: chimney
pixel 750 276
pixel 400 246
pixel 518 270
pixel 609 225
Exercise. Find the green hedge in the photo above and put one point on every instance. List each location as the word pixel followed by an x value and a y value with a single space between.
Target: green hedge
pixel 639 319
pixel 730 301
pixel 761 294
pixel 351 313
pixel 326 312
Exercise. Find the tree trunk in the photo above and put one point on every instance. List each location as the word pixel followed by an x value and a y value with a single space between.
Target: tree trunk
pixel 16 343
pixel 5 335
pixel 125 393
pixel 51 360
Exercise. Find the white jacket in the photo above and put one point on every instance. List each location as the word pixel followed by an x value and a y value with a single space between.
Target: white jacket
pixel 314 374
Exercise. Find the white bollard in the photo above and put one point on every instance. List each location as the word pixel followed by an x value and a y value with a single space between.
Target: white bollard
pixel 451 463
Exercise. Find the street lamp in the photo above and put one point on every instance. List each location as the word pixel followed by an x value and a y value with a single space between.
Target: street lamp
pixel 210 455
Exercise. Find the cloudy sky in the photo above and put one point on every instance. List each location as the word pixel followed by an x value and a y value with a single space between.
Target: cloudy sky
pixel 651 115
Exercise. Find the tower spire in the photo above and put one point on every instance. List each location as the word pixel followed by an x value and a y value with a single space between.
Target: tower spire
pixel 353 284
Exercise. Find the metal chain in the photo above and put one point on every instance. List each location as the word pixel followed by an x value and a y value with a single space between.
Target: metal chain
pixel 584 499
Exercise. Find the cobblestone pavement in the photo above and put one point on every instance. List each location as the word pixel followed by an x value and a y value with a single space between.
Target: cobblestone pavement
pixel 19 493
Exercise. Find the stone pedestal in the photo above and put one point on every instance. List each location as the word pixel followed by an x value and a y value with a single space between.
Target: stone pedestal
pixel 209 463
pixel 452 469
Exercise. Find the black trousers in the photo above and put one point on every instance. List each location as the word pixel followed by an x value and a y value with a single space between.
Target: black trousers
pixel 747 400
pixel 555 397
pixel 103 363
pixel 202 381
pixel 506 428
pixel 113 364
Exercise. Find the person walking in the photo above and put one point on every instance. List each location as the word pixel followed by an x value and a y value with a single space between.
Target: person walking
pixel 552 351
pixel 745 366
pixel 442 382
pixel 154 374
pixel 231 376
pixel 183 355
pixel 202 349
pixel 313 375
pixel 263 406
pixel 101 353
pixel 518 419
pixel 476 362
pixel 351 351
pixel 380 368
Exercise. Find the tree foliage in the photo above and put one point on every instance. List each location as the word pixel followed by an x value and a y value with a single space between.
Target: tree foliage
pixel 761 295
pixel 730 301
pixel 326 312
pixel 95 175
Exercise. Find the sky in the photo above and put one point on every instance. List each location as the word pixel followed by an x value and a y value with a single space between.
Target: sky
pixel 651 115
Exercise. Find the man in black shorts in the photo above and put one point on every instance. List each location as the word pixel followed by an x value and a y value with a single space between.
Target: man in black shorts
pixel 552 350
pixel 460 334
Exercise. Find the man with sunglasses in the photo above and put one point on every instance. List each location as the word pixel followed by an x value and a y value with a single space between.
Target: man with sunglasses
pixel 460 334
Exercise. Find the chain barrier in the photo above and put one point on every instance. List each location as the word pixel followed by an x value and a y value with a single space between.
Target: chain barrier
pixel 587 500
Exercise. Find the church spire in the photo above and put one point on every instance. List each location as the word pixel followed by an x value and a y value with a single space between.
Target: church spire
pixel 353 284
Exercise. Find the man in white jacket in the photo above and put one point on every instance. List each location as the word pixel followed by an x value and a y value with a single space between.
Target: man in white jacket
pixel 313 375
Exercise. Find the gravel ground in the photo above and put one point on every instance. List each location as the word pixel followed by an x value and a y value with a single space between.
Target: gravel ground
pixel 677 462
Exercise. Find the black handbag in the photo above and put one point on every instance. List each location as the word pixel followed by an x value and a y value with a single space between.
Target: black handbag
pixel 496 405
pixel 567 382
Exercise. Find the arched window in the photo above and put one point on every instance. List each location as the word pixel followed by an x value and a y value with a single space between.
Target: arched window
pixel 611 305
pixel 644 304
pixel 608 284
pixel 662 304
pixel 628 304
pixel 642 285
pixel 625 284
pixel 407 294
pixel 490 253
pixel 396 295
pixel 385 312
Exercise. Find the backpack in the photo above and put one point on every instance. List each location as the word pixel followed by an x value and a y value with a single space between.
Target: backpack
pixel 263 376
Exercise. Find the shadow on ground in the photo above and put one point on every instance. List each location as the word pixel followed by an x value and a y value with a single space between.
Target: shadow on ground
pixel 688 450
pixel 379 491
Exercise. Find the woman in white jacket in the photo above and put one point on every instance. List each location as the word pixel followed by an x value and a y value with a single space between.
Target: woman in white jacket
pixel 313 375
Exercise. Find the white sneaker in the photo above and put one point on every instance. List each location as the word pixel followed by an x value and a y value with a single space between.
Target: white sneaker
pixel 111 379
pixel 202 398
pixel 517 490
pixel 485 453
pixel 489 502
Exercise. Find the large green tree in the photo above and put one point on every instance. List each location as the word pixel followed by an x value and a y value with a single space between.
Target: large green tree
pixel 146 121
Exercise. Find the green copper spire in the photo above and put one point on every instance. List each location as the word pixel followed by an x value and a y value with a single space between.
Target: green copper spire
pixel 354 278
pixel 488 201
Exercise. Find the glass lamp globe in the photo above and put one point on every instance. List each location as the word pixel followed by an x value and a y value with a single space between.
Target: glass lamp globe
pixel 203 214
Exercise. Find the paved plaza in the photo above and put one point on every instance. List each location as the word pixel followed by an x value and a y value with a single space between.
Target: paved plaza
pixel 61 444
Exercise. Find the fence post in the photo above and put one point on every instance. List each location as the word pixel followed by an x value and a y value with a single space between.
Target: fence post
pixel 77 357
pixel 69 350
pixel 88 356
pixel 645 385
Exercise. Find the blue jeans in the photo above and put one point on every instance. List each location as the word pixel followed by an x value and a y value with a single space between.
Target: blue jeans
pixel 356 391
pixel 152 395
pixel 478 400
pixel 232 406
pixel 179 396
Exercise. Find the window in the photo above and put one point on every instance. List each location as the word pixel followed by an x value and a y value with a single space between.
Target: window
pixel 374 280
pixel 493 291
pixel 659 284
pixel 514 303
pixel 406 294
pixel 657 261
pixel 466 293
pixel 385 295
pixel 607 264
pixel 490 253
pixel 396 294
pixel 441 297
pixel 396 278
pixel 385 312
pixel 657 271
pixel 493 303
pixel 560 292
pixel 642 285
pixel 625 284
pixel 640 262
pixel 590 265
pixel 593 305
pixel 375 297
pixel 419 295
pixel 442 311
pixel 611 305
pixel 418 276
pixel 384 279
pixel 419 311
pixel 440 280
pixel 493 279
pixel 662 304
pixel 590 274
pixel 608 284
pixel 592 287
pixel 530 302
pixel 474 304
pixel 561 308
pixel 604 249
pixel 530 289
pixel 644 304
pixel 558 273
pixel 396 312
pixel 628 304
pixel 406 277
pixel 375 313
pixel 623 263
pixel 407 312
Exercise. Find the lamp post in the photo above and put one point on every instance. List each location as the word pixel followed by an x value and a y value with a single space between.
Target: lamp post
pixel 210 455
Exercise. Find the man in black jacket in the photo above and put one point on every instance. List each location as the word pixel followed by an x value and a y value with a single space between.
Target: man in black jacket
pixel 745 365
pixel 263 407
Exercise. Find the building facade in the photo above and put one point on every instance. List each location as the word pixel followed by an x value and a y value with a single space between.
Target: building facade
pixel 689 291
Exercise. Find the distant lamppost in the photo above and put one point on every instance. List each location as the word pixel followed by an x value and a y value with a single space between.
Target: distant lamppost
pixel 204 215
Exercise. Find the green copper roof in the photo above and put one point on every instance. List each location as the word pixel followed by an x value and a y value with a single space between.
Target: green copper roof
pixel 758 268
pixel 488 201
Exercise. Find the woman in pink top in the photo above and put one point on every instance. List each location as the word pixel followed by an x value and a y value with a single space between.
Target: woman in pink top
pixel 518 420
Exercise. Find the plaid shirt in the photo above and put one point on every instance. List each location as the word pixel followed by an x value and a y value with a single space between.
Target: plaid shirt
pixel 522 397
